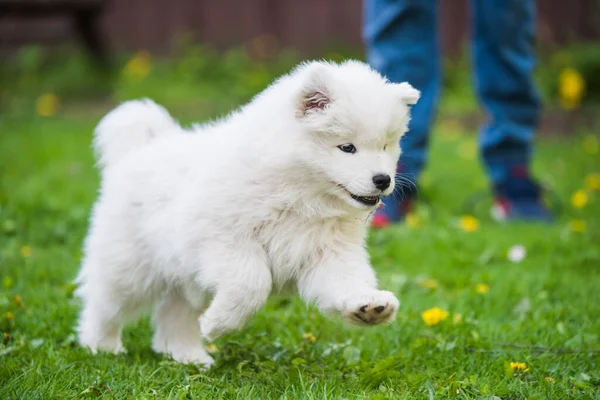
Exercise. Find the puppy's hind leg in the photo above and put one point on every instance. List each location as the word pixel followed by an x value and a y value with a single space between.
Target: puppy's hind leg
pixel 101 320
pixel 178 332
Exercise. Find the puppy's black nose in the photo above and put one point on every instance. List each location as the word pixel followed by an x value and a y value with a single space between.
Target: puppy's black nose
pixel 382 181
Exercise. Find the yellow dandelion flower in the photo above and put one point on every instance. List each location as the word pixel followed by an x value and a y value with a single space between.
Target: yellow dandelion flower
pixel 18 301
pixel 211 348
pixel 579 199
pixel 549 379
pixel 571 87
pixel 590 144
pixel 47 105
pixel 457 318
pixel 468 223
pixel 139 66
pixel 482 288
pixel 434 316
pixel 577 225
pixel 519 367
pixel 428 283
pixel 412 220
pixel 26 251
pixel 592 181
pixel 310 337
pixel 6 335
pixel 10 315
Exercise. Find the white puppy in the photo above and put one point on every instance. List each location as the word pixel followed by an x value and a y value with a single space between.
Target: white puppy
pixel 203 225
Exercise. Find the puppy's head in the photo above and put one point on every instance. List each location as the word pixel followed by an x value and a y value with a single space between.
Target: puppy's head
pixel 355 119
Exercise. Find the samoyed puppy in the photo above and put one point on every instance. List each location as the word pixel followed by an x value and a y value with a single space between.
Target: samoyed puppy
pixel 202 225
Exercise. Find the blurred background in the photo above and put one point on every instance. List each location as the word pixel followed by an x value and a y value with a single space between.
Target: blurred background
pixel 203 57
pixel 65 63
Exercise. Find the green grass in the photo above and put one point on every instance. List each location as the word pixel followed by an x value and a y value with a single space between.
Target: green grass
pixel 544 311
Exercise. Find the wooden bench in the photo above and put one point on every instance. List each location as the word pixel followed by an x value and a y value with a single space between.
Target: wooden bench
pixel 84 13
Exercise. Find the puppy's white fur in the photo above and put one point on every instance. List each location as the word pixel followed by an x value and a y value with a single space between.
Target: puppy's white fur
pixel 203 225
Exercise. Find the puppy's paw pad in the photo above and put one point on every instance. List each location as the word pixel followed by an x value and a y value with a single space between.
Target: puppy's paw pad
pixel 372 309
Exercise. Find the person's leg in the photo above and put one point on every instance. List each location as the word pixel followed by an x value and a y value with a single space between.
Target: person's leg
pixel 504 60
pixel 401 44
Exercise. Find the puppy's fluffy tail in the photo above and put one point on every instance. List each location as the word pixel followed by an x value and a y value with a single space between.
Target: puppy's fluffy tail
pixel 130 126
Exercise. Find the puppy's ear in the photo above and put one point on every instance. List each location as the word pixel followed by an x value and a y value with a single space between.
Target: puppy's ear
pixel 408 94
pixel 315 95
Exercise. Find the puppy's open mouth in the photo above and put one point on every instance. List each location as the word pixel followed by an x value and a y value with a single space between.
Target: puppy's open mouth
pixel 366 200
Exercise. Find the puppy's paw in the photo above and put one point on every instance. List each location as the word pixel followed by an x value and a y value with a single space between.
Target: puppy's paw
pixel 109 344
pixel 209 330
pixel 213 328
pixel 192 355
pixel 375 308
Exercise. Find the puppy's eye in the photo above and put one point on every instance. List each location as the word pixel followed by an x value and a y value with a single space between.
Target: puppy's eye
pixel 347 148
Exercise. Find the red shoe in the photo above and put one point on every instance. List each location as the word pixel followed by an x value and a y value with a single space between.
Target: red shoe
pixel 380 220
pixel 520 198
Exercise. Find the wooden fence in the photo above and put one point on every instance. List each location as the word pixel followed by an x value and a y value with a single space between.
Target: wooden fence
pixel 306 25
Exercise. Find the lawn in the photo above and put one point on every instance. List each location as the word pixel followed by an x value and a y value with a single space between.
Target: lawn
pixel 542 312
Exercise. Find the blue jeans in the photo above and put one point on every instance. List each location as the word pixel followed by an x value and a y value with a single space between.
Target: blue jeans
pixel 402 45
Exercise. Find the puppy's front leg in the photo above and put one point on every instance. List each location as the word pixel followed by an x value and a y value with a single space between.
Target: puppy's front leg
pixel 243 285
pixel 345 284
